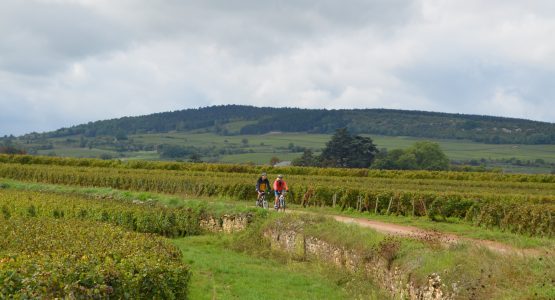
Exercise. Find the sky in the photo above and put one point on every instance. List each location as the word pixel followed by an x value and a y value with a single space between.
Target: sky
pixel 66 62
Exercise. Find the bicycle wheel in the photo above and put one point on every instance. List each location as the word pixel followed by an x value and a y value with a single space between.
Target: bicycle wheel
pixel 282 202
pixel 263 202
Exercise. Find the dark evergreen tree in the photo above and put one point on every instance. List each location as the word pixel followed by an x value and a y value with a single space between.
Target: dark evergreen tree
pixel 362 152
pixel 306 160
pixel 337 151
pixel 347 151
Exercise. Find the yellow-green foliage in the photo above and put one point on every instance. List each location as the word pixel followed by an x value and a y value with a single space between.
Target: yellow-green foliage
pixel 49 258
pixel 234 168
pixel 523 207
pixel 137 217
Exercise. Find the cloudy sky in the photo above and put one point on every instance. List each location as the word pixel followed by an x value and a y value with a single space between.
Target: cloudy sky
pixel 64 62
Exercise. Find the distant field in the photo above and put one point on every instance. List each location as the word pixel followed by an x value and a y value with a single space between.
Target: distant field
pixel 77 152
pixel 259 149
pixel 466 150
pixel 455 149
pixel 257 158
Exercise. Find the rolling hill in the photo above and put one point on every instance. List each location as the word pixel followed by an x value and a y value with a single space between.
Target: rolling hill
pixel 237 119
pixel 246 134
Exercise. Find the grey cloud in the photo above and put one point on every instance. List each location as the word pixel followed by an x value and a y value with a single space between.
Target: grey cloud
pixel 469 86
pixel 64 62
pixel 254 30
pixel 40 38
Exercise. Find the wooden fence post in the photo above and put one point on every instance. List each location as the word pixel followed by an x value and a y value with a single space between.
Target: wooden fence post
pixel 424 204
pixel 389 205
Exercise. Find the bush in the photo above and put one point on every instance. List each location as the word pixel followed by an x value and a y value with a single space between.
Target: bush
pixel 49 258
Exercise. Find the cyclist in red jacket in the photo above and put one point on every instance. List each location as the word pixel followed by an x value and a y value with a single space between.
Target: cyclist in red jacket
pixel 280 186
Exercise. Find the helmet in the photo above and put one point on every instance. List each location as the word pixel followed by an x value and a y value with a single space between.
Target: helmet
pixel 263 174
pixel 280 176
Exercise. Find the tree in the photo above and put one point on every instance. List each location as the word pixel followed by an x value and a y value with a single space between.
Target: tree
pixel 420 156
pixel 105 156
pixel 121 135
pixel 388 160
pixel 173 151
pixel 306 160
pixel 362 152
pixel 407 161
pixel 274 160
pixel 347 151
pixel 429 156
pixel 11 150
pixel 337 149
pixel 195 158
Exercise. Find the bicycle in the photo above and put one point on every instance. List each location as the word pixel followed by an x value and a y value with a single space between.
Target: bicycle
pixel 281 202
pixel 261 201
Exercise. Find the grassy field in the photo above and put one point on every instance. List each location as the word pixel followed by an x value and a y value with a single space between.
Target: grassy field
pixel 257 158
pixel 220 273
pixel 77 152
pixel 455 149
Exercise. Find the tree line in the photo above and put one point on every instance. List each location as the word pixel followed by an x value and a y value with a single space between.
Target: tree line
pixel 346 150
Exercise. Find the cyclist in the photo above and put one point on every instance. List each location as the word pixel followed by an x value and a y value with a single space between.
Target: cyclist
pixel 262 185
pixel 279 187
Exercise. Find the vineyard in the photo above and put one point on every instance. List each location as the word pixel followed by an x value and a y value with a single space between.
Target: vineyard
pixel 56 245
pixel 517 203
pixel 54 258
pixel 73 244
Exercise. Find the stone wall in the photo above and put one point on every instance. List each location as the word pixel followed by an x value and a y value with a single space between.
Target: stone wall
pixel 226 223
pixel 392 280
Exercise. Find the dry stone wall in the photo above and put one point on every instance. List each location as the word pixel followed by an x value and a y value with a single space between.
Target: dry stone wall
pixel 226 223
pixel 392 280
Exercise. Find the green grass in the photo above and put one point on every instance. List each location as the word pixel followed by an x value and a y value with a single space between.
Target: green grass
pixel 220 273
pixel 477 272
pixel 234 127
pixel 481 274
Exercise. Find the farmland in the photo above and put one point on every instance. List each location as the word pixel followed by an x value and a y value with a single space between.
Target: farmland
pixel 259 149
pixel 170 204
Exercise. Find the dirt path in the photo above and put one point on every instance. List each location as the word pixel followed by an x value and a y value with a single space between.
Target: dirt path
pixel 444 238
pixel 434 236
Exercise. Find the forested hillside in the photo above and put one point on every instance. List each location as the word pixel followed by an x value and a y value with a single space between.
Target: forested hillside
pixel 255 120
